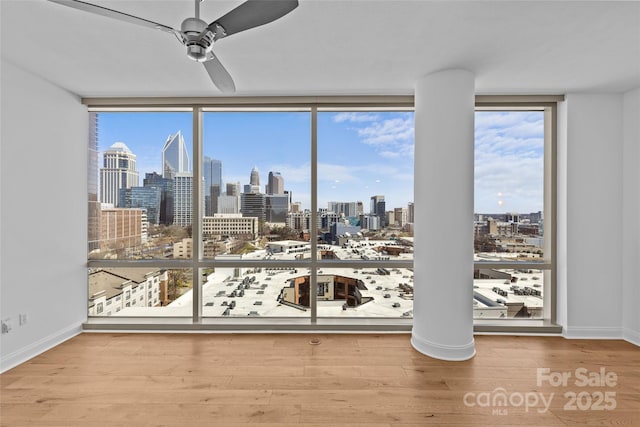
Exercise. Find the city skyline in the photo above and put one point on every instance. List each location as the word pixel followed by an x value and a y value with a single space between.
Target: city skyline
pixel 360 154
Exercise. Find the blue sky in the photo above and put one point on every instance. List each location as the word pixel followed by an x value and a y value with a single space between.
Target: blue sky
pixel 359 154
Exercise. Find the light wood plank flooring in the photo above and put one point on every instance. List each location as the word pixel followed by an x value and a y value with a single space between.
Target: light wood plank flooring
pixel 106 379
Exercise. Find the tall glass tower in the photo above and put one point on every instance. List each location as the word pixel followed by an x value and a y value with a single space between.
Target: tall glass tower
pixel 378 208
pixel 118 171
pixel 212 169
pixel 175 157
pixel 182 199
pixel 276 183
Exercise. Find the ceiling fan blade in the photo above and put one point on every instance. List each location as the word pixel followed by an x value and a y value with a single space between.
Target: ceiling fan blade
pixel 253 13
pixel 109 13
pixel 219 75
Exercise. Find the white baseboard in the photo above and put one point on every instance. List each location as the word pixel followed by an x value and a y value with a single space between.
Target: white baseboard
pixel 631 336
pixel 599 333
pixel 14 359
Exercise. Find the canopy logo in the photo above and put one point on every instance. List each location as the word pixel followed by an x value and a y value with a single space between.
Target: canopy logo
pixel 499 400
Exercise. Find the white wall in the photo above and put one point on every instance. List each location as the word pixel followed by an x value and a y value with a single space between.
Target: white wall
pixel 631 217
pixel 590 229
pixel 43 214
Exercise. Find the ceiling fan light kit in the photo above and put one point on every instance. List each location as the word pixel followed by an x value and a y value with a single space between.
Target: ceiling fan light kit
pixel 198 36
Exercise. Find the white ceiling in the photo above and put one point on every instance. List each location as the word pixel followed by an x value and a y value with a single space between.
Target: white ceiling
pixel 327 47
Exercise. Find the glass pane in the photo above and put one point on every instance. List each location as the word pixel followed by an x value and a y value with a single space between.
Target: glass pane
pixel 140 185
pixel 363 292
pixel 365 178
pixel 251 292
pixel 508 293
pixel 140 292
pixel 509 186
pixel 257 182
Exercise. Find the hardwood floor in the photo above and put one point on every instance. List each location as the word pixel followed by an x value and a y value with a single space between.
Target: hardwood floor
pixel 348 380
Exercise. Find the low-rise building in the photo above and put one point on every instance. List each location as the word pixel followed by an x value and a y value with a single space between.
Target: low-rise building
pixel 227 225
pixel 112 290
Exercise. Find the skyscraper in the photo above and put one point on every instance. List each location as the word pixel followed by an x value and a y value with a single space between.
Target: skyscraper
pixel 378 208
pixel 254 179
pixel 212 170
pixel 400 216
pixel 253 204
pixel 175 157
pixel 154 179
pixel 182 199
pixel 410 213
pixel 344 208
pixel 233 188
pixel 228 204
pixel 276 208
pixel 92 185
pixel 118 171
pixel 275 184
pixel 254 182
pixel 147 198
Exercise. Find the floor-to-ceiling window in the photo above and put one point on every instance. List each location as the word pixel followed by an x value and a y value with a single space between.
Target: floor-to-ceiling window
pixel 514 212
pixel 301 212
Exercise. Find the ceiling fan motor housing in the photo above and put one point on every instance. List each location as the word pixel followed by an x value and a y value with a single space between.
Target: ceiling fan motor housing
pixel 197 38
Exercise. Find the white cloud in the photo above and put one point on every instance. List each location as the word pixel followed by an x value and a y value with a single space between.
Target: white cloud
pixel 391 137
pixel 509 161
pixel 387 133
pixel 355 117
pixel 400 151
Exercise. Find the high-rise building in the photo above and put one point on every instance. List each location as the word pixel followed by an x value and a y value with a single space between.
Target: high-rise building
pixel 296 207
pixel 233 189
pixel 148 198
pixel 211 200
pixel 301 221
pixel 228 204
pixel 276 208
pixel 276 183
pixel 326 219
pixel 253 204
pixel 154 179
pixel 370 222
pixel 175 157
pixel 344 208
pixel 118 171
pixel 93 186
pixel 212 170
pixel 400 216
pixel 378 208
pixel 410 213
pixel 183 199
pixel 254 182
pixel 254 178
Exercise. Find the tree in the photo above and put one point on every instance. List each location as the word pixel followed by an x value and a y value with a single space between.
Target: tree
pixel 177 278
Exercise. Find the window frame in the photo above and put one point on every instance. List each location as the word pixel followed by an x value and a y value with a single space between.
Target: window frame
pixel 197 106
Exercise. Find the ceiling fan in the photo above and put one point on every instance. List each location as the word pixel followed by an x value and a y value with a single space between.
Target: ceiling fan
pixel 198 36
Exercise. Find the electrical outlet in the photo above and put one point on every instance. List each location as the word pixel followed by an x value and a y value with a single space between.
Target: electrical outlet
pixel 6 325
pixel 22 319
